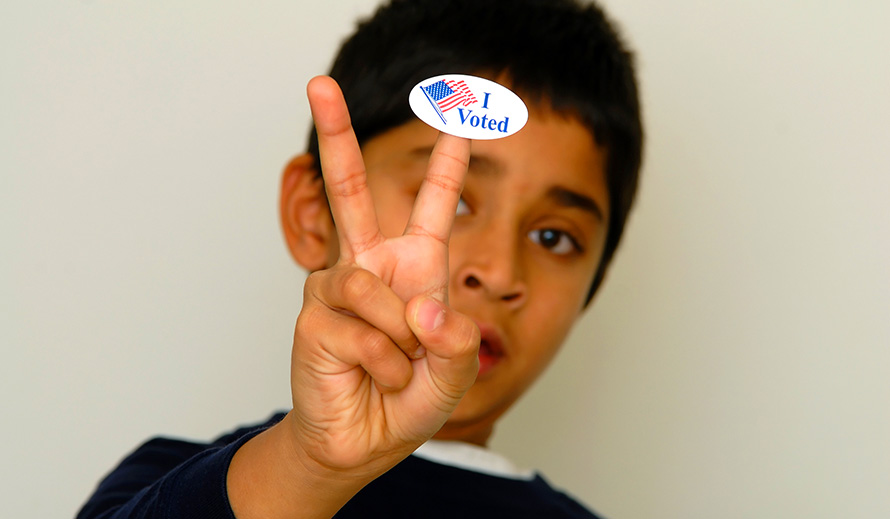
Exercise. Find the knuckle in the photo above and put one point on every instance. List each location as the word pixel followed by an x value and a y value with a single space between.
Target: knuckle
pixel 312 284
pixel 359 285
pixel 306 322
pixel 348 185
pixel 457 156
pixel 375 345
pixel 313 312
pixel 420 229
pixel 361 242
pixel 444 182
pixel 317 286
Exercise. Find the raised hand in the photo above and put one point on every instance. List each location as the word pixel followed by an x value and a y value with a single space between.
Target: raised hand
pixel 379 360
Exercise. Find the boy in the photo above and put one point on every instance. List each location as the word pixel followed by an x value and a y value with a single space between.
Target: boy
pixel 444 279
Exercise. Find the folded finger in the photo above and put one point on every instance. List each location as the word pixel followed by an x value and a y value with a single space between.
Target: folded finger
pixel 352 344
pixel 364 295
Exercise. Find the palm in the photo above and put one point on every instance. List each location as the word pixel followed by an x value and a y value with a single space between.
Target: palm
pixel 411 265
pixel 353 419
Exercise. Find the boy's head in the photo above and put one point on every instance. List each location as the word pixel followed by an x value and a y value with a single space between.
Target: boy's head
pixel 542 210
pixel 563 54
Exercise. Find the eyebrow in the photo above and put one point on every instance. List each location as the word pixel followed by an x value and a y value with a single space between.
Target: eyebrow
pixel 560 195
pixel 479 163
pixel 568 198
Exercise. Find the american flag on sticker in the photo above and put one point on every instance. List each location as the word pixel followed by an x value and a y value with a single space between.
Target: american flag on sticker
pixel 445 95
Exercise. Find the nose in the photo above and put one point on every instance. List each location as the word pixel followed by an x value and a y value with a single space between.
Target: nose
pixel 489 266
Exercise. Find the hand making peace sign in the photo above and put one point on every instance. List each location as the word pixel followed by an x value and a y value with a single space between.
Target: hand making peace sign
pixel 379 361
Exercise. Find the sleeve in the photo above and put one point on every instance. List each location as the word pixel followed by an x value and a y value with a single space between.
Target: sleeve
pixel 169 479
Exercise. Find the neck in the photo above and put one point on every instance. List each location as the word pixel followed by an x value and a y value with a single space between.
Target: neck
pixel 470 434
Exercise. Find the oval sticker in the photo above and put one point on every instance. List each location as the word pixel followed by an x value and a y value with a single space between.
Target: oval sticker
pixel 468 106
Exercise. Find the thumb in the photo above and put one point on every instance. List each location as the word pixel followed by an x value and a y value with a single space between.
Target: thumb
pixel 450 338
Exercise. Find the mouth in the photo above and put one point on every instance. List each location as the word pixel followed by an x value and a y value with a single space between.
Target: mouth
pixel 491 349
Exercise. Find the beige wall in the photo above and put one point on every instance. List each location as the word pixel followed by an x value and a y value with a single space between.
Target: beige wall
pixel 734 365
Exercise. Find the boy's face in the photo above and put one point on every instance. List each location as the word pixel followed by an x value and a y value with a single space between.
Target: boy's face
pixel 528 237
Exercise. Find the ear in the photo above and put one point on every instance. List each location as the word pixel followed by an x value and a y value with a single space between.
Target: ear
pixel 305 215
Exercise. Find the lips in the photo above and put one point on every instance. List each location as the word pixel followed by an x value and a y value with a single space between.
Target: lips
pixel 491 349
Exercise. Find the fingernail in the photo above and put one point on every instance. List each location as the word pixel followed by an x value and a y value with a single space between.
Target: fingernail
pixel 430 315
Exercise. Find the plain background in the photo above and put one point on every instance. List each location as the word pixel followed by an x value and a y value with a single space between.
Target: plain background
pixel 734 365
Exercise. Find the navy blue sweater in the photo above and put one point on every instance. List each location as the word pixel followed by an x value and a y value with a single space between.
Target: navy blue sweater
pixel 166 478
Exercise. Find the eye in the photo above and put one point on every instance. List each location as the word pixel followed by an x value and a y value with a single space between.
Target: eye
pixel 462 207
pixel 557 242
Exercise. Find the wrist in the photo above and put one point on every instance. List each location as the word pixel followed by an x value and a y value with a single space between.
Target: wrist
pixel 271 476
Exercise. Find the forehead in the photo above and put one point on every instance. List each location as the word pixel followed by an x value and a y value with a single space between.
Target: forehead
pixel 551 150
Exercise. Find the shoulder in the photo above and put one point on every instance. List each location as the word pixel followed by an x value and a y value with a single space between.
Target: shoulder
pixel 164 471
pixel 164 451
pixel 564 504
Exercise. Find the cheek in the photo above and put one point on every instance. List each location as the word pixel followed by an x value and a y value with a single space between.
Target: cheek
pixel 544 336
pixel 555 303
pixel 555 318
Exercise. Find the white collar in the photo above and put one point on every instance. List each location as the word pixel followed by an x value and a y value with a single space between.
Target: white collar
pixel 471 457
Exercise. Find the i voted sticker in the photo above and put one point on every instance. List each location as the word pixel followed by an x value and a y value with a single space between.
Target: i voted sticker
pixel 468 106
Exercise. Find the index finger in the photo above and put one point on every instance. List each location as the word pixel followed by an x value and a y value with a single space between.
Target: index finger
pixel 343 168
pixel 436 203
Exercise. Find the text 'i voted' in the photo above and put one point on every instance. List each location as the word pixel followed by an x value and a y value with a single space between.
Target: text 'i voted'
pixel 468 106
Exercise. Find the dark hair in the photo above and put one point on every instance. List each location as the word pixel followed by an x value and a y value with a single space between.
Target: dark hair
pixel 560 52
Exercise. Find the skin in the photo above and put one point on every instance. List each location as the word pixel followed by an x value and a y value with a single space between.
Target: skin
pixel 421 260
pixel 528 290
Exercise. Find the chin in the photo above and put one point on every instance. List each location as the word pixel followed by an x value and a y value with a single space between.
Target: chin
pixel 478 410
